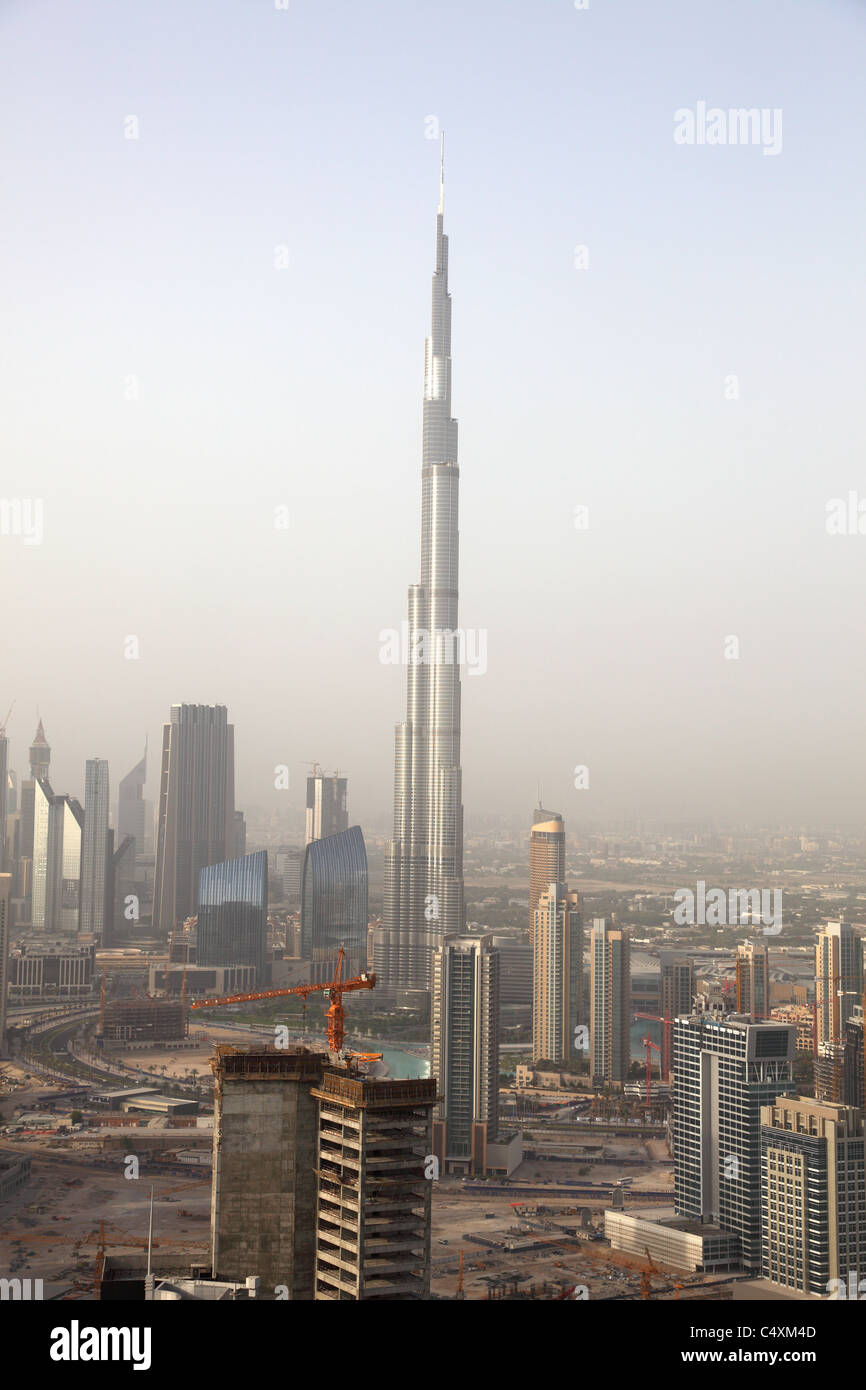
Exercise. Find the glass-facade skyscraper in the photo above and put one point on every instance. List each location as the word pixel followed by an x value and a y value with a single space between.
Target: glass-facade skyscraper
pixel 423 897
pixel 334 901
pixel 233 913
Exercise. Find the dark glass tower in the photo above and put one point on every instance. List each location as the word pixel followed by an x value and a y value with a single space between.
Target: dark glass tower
pixel 334 902
pixel 233 913
pixel 196 807
pixel 423 900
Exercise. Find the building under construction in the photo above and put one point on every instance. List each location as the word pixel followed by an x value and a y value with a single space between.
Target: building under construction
pixel 319 1181
pixel 142 1020
pixel 374 1195
pixel 264 1182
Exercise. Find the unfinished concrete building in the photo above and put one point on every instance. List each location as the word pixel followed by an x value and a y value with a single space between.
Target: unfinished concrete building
pixel 374 1188
pixel 265 1155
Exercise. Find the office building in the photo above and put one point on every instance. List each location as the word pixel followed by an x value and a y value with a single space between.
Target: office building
pixel 196 808
pixel 51 969
pixel 610 1001
pixel 374 1192
pixel 233 913
pixel 58 823
pixel 726 1068
pixel 813 1193
pixel 423 894
pixel 334 903
pixel 266 1153
pixel 753 979
pixel 557 976
pixel 546 858
pixel 839 979
pixel 96 854
pixel 326 805
pixel 676 996
pixel 131 805
pixel 464 1051
pixel 515 971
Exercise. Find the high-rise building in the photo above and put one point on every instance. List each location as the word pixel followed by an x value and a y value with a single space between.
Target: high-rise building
pixel 95 913
pixel 326 805
pixel 464 1051
pixel 131 805
pixel 196 807
pixel 839 979
pixel 610 1001
pixel 233 913
pixel 374 1193
pixel 557 976
pixel 854 1067
pixel 753 979
pixel 334 903
pixel 240 835
pixel 546 858
pixel 42 797
pixel 423 895
pixel 40 754
pixel 676 996
pixel 813 1192
pixel 58 823
pixel 5 929
pixel 725 1069
pixel 265 1157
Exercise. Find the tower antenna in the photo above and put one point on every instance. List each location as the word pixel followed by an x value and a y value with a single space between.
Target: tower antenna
pixel 442 172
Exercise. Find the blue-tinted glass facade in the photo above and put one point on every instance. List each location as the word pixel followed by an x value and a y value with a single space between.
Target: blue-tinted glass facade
pixel 233 913
pixel 334 899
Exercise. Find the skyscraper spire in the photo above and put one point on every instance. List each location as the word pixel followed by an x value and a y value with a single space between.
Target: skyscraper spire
pixel 442 174
pixel 424 861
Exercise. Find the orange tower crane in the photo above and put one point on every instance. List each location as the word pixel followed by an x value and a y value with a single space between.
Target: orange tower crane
pixel 667 1054
pixel 333 990
pixel 649 1044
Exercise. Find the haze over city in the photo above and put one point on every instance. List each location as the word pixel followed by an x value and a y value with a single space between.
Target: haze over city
pixel 217 312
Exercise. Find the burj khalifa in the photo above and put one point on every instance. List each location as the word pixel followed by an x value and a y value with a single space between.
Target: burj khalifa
pixel 423 895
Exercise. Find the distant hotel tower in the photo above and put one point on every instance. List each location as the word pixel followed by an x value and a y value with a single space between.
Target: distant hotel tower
pixel 196 807
pixel 546 858
pixel 326 806
pixel 753 980
pixel 423 899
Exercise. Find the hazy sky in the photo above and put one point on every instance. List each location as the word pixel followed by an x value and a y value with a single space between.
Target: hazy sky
pixel 149 267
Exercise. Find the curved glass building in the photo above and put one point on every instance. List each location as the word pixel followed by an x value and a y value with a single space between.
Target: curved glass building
pixel 334 901
pixel 233 913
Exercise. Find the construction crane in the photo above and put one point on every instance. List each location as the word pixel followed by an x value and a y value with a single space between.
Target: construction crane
pixel 666 1055
pixel 647 1272
pixel 649 1044
pixel 6 720
pixel 333 990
